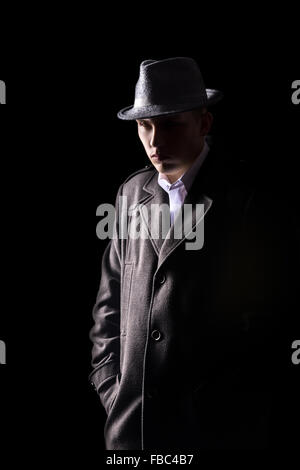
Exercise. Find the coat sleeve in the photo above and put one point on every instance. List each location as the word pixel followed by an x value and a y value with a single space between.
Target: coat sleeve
pixel 105 334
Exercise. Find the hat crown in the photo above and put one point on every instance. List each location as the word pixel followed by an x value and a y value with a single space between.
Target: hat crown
pixel 169 86
pixel 170 81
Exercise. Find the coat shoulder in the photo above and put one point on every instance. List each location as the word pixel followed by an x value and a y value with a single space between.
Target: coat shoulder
pixel 139 177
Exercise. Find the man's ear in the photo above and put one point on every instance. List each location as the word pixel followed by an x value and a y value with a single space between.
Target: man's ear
pixel 206 123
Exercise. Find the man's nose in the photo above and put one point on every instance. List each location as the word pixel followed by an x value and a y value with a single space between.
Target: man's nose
pixel 156 138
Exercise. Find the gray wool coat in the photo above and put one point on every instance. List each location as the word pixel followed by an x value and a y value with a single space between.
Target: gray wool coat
pixel 181 338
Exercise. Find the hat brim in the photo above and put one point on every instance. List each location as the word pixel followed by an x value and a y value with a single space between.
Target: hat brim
pixel 131 113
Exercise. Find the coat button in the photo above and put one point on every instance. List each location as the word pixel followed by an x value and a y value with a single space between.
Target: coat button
pixel 161 278
pixel 156 335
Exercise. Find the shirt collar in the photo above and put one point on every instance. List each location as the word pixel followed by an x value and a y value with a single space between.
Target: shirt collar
pixel 188 177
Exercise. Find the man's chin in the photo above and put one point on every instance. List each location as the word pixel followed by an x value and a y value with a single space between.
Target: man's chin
pixel 165 167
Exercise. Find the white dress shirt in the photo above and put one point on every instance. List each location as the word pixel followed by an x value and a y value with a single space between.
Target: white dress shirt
pixel 178 190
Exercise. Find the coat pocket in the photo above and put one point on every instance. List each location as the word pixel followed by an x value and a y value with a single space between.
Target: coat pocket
pixel 125 298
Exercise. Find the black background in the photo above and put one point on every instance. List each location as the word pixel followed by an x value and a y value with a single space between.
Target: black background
pixel 64 152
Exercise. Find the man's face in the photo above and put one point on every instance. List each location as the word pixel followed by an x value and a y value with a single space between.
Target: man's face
pixel 173 142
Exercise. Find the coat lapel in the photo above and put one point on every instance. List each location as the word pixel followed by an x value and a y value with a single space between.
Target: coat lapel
pixel 201 195
pixel 203 191
pixel 149 213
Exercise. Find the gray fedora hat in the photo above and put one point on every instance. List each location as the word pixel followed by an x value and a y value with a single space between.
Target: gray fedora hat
pixel 169 86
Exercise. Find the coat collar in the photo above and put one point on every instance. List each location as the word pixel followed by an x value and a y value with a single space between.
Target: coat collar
pixel 204 190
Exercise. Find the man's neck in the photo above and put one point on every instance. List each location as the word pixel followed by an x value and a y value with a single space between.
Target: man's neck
pixel 175 176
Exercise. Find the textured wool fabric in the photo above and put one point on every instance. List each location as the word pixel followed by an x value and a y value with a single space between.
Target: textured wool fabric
pixel 181 355
pixel 169 86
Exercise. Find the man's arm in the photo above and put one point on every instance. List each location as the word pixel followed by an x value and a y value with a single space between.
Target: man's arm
pixel 105 333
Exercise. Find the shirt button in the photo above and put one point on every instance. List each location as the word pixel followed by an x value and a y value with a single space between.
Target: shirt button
pixel 156 335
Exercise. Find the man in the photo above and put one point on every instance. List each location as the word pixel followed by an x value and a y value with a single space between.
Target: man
pixel 181 335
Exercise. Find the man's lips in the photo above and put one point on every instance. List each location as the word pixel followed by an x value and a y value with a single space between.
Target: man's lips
pixel 159 157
